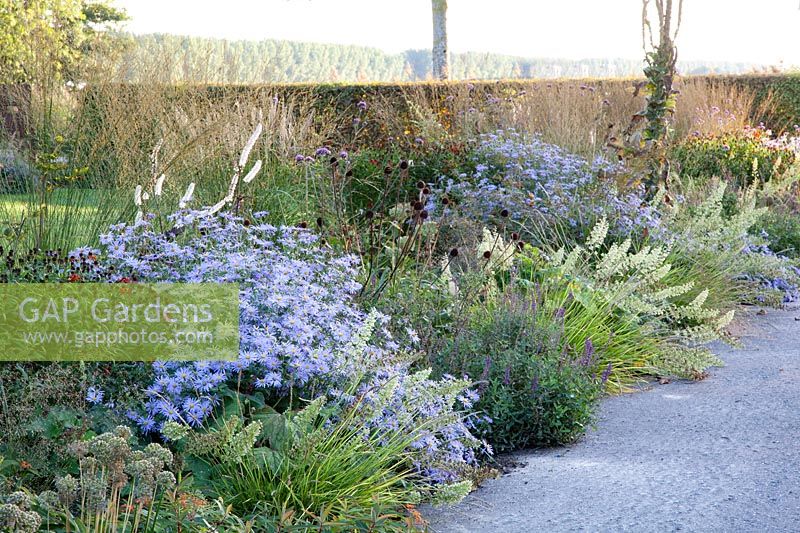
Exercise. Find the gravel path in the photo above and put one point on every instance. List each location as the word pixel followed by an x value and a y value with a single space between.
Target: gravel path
pixel 721 454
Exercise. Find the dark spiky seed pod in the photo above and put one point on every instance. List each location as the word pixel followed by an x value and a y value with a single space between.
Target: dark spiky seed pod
pixel 246 222
pixel 334 161
pixel 387 170
pixel 349 173
pixel 320 222
pixel 403 164
pixel 369 214
pixel 420 184
pixel 487 254
pixel 515 236
pixel 426 191
pixel 423 215
pixel 303 225
pixel 520 245
pixel 504 213
pixel 445 201
pixel 417 206
pixel 454 252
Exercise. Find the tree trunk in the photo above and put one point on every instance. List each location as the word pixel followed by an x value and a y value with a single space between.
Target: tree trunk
pixel 441 54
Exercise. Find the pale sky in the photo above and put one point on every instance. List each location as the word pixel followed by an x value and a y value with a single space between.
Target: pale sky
pixel 749 31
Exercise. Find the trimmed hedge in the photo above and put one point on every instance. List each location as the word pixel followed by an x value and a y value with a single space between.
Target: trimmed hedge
pixel 340 98
pixel 783 89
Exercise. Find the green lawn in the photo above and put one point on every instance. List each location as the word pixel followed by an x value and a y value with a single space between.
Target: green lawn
pixel 70 218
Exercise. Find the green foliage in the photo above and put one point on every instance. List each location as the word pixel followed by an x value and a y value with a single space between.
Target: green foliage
pixel 710 240
pixel 319 463
pixel 659 71
pixel 625 347
pixel 535 393
pixel 49 37
pixel 372 186
pixel 742 157
pixel 782 232
pixel 43 409
pixel 636 278
pixel 626 303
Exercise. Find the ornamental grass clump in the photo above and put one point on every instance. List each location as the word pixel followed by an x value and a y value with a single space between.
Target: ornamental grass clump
pixel 319 460
pixel 623 347
pixel 635 282
pixel 713 240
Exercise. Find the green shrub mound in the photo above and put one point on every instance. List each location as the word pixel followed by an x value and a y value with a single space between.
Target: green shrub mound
pixel 532 391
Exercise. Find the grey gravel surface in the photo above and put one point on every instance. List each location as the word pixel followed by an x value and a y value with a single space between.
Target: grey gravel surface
pixel 722 454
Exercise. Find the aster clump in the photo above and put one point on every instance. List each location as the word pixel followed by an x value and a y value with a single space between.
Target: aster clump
pixel 521 181
pixel 302 334
pixel 775 276
pixel 296 307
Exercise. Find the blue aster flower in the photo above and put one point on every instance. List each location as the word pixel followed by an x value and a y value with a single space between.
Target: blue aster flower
pixel 94 395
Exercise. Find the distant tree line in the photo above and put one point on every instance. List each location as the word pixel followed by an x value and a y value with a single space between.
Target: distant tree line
pixel 171 58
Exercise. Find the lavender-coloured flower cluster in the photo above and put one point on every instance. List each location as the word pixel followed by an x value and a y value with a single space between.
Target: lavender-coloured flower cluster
pixel 298 325
pixel 535 180
pixel 783 280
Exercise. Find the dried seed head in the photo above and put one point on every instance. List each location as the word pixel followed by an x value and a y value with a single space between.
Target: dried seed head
pixel 454 252
pixel 420 184
pixel 403 164
pixel 504 213
pixel 487 254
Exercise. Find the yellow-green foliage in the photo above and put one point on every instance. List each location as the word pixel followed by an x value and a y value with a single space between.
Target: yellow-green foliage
pixel 712 242
pixel 706 226
pixel 636 282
